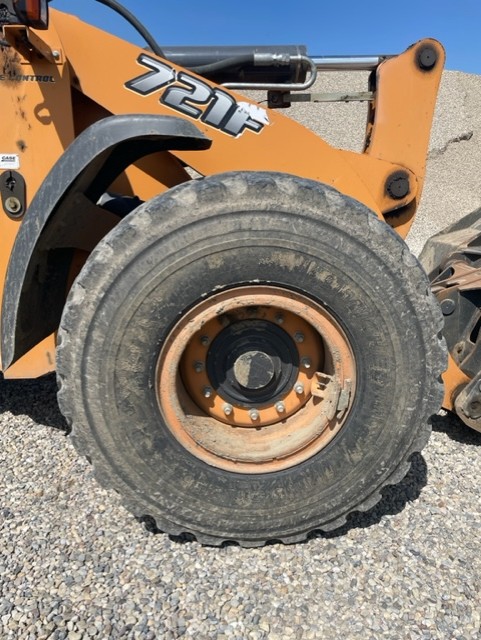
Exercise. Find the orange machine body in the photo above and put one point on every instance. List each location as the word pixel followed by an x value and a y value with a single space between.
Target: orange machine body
pixel 55 83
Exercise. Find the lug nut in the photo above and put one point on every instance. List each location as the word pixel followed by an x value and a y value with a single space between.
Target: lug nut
pixel 207 392
pixel 280 408
pixel 279 318
pixel 204 341
pixel 254 414
pixel 299 388
pixel 228 408
pixel 299 337
pixel 198 367
pixel 306 363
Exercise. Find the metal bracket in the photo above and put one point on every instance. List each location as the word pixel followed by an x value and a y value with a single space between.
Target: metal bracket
pixel 53 55
pixel 283 99
pixel 468 404
pixel 344 398
pixel 461 275
pixel 335 398
pixel 359 96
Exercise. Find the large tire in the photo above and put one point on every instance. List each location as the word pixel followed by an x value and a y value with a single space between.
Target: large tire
pixel 251 248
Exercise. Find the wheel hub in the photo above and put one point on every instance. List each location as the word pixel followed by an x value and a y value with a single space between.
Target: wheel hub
pixel 252 362
pixel 250 380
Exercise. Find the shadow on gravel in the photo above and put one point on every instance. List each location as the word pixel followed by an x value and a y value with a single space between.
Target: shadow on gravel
pixel 35 398
pixel 455 428
pixel 395 498
pixel 393 501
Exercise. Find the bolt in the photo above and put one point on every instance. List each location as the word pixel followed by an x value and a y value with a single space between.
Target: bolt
pixel 254 414
pixel 56 54
pixel 299 388
pixel 397 185
pixel 204 341
pixel 426 57
pixel 280 408
pixel 448 305
pixel 228 408
pixel 306 363
pixel 299 337
pixel 13 205
pixel 198 367
pixel 207 392
pixel 279 318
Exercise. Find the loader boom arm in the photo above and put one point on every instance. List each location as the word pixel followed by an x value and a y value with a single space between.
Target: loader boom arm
pixel 64 83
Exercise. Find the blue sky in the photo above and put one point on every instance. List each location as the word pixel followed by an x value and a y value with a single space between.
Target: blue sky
pixel 345 27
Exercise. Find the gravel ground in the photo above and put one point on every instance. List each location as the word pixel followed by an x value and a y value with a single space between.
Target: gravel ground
pixel 74 564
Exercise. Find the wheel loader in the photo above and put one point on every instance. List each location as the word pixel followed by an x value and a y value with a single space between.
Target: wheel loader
pixel 246 350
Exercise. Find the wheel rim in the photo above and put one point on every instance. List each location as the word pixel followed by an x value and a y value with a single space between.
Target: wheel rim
pixel 256 379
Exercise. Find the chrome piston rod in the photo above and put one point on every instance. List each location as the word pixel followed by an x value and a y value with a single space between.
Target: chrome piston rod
pixel 348 63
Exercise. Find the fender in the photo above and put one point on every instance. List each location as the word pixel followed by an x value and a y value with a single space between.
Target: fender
pixel 63 216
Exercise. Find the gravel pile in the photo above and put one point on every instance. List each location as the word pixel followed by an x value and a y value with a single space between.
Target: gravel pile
pixel 74 564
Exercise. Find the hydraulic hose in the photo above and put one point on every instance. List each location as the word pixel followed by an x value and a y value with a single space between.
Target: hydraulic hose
pixel 223 65
pixel 136 24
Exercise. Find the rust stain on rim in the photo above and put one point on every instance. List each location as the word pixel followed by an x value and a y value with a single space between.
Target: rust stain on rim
pixel 195 410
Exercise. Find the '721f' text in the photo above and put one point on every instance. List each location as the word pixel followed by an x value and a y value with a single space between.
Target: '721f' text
pixel 196 99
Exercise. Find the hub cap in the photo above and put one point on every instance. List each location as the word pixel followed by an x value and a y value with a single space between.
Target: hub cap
pixel 252 362
pixel 254 370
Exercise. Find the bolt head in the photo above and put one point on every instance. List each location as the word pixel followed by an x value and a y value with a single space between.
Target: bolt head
pixel 427 57
pixel 280 407
pixel 198 367
pixel 448 305
pixel 306 363
pixel 299 388
pixel 279 318
pixel 204 341
pixel 228 408
pixel 207 392
pixel 13 205
pixel 397 185
pixel 299 337
pixel 254 414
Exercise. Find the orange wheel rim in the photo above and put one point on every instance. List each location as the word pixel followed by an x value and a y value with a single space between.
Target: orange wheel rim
pixel 256 379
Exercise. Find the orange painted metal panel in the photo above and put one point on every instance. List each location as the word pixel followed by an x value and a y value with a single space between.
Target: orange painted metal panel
pixel 76 73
